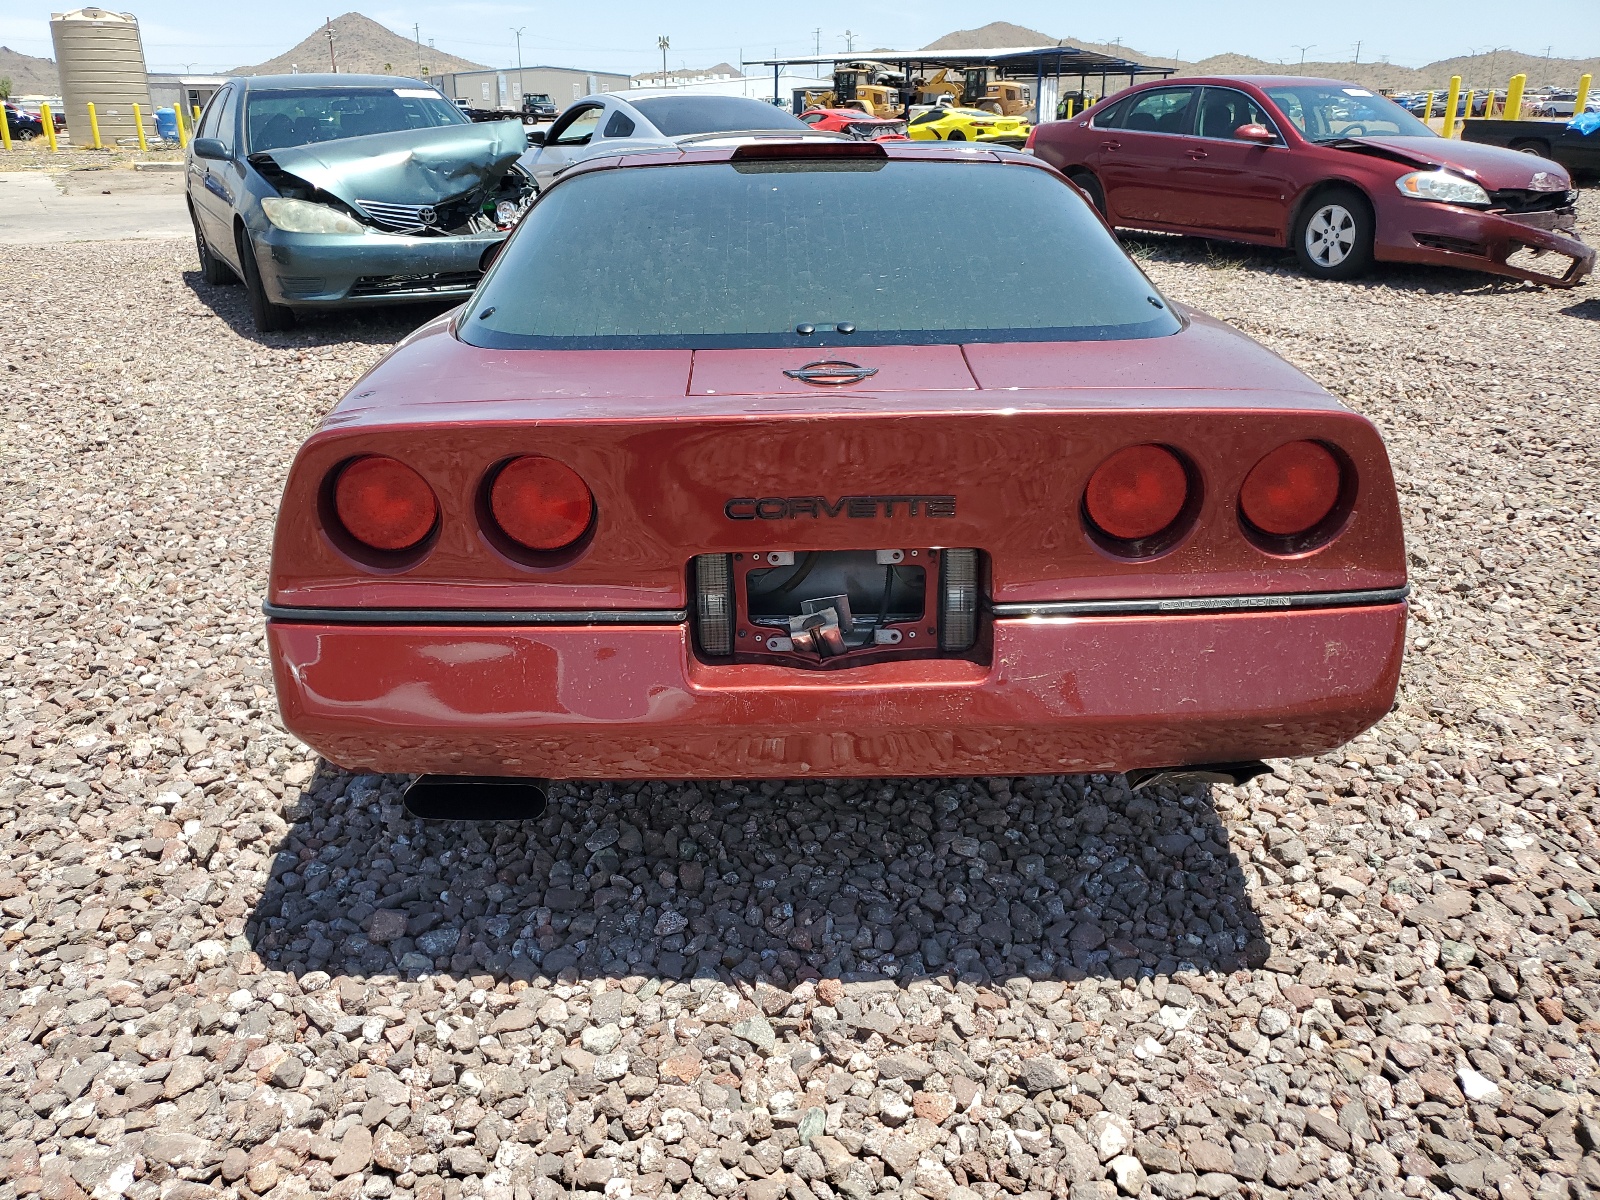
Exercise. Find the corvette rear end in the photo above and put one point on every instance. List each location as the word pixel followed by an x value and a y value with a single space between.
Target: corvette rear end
pixel 598 535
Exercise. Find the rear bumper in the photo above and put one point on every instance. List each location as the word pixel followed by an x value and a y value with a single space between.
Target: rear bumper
pixel 1530 247
pixel 617 701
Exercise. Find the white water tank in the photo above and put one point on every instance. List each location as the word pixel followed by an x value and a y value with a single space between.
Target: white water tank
pixel 101 60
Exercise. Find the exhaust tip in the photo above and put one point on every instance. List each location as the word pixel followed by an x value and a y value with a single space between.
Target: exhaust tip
pixel 476 798
pixel 1236 773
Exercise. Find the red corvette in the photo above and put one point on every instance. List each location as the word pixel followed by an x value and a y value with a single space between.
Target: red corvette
pixel 706 482
pixel 856 123
pixel 1341 175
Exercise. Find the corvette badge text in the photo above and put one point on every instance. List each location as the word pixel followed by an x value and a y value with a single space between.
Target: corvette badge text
pixel 777 508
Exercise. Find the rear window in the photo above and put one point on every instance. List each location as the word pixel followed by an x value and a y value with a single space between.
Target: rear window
pixel 676 116
pixel 740 255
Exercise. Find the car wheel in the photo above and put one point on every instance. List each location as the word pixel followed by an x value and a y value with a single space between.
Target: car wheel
pixel 1541 149
pixel 1333 235
pixel 269 317
pixel 956 136
pixel 212 269
pixel 1091 187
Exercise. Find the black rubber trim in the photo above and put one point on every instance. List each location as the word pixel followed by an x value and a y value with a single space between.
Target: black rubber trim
pixel 476 616
pixel 1162 606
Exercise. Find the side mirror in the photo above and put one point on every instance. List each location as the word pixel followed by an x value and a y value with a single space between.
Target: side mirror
pixel 535 137
pixel 209 148
pixel 1254 133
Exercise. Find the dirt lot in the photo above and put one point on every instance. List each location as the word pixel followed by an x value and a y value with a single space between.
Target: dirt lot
pixel 230 971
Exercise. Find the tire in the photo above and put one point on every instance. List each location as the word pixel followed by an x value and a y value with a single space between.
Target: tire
pixel 1091 187
pixel 956 136
pixel 269 317
pixel 1333 234
pixel 212 269
pixel 1535 147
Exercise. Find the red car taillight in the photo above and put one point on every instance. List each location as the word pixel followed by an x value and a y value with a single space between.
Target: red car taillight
pixel 1032 133
pixel 1292 490
pixel 1137 493
pixel 540 504
pixel 384 504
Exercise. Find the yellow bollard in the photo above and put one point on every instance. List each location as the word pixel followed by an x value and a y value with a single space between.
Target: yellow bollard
pixel 94 127
pixel 183 132
pixel 195 108
pixel 1583 94
pixel 1488 106
pixel 1467 108
pixel 1070 105
pixel 1513 109
pixel 138 124
pixel 47 119
pixel 5 134
pixel 1450 106
pixel 1428 116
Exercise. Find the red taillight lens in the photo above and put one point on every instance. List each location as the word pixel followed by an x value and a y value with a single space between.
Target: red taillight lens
pixel 540 503
pixel 384 504
pixel 1291 490
pixel 1032 133
pixel 1137 492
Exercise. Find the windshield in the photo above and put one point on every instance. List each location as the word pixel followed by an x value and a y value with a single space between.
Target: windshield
pixel 299 116
pixel 676 116
pixel 1327 112
pixel 740 255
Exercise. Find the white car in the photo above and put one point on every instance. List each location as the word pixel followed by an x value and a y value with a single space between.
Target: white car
pixel 608 124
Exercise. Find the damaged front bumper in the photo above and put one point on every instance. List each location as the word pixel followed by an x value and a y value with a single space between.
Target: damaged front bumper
pixel 324 270
pixel 1540 247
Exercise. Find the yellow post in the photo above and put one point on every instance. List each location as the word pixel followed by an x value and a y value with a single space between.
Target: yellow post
pixel 183 132
pixel 94 127
pixel 1471 96
pixel 195 108
pixel 49 122
pixel 1428 116
pixel 1070 104
pixel 138 124
pixel 1583 94
pixel 1513 108
pixel 5 134
pixel 1450 106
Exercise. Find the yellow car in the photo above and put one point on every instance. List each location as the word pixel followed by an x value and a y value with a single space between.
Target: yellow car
pixel 967 125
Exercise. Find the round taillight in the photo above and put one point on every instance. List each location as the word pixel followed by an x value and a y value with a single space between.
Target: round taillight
pixel 540 504
pixel 1136 493
pixel 1292 490
pixel 384 504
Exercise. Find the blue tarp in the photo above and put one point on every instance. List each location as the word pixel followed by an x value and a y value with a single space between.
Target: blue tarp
pixel 1585 123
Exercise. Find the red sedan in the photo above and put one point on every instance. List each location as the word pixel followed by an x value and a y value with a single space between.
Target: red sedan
pixel 705 482
pixel 856 123
pixel 1333 170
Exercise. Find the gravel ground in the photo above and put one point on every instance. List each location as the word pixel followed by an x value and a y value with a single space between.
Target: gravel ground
pixel 231 970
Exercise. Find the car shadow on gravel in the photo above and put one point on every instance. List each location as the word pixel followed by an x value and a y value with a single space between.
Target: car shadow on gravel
pixel 1044 878
pixel 379 326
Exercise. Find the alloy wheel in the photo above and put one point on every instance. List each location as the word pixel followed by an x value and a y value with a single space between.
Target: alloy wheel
pixel 1330 235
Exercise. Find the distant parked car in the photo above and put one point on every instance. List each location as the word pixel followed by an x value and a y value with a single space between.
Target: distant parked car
pixel 324 191
pixel 1335 171
pixel 967 125
pixel 606 124
pixel 856 124
pixel 22 126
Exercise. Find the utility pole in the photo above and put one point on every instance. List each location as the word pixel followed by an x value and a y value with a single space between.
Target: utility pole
pixel 1358 52
pixel 327 23
pixel 416 31
pixel 664 42
pixel 849 42
pixel 518 32
pixel 1303 50
pixel 817 33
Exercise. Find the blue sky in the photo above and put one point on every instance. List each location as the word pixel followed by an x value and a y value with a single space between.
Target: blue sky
pixel 622 35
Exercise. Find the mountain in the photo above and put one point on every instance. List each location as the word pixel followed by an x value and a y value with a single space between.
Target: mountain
pixel 362 47
pixel 29 76
pixel 1479 70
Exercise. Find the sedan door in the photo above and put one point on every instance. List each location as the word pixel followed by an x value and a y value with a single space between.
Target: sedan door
pixel 566 143
pixel 213 186
pixel 1229 184
pixel 1139 159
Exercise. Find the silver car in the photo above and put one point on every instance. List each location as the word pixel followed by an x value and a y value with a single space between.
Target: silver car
pixel 607 124
pixel 321 191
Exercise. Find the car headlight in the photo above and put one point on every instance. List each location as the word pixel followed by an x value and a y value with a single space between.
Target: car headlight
pixel 302 216
pixel 1441 185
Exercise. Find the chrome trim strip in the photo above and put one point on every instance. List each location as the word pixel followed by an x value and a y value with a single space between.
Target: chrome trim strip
pixel 1161 606
pixel 476 616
